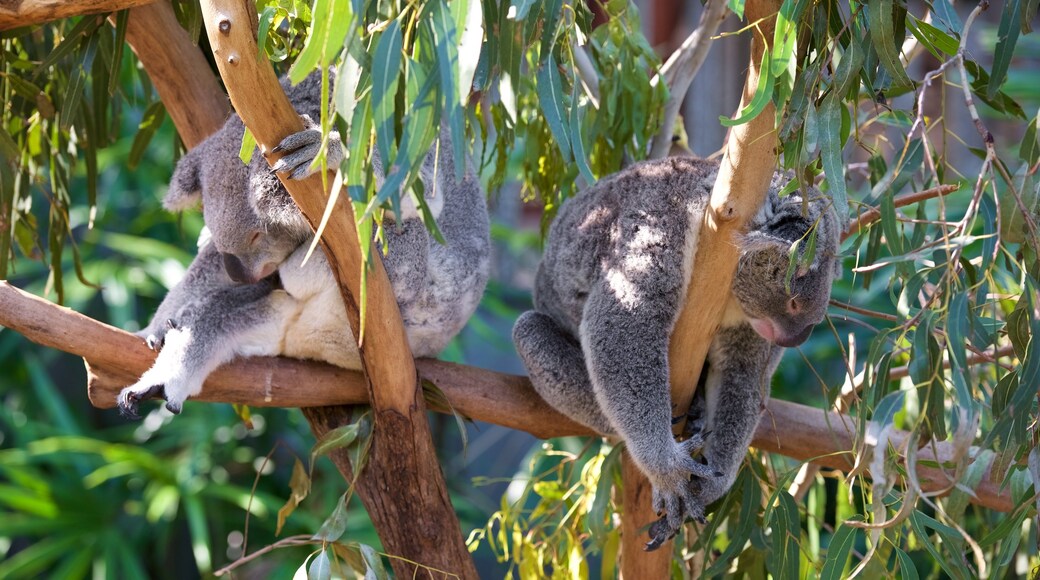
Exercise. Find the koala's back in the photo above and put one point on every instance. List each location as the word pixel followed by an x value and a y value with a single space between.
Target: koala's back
pixel 638 223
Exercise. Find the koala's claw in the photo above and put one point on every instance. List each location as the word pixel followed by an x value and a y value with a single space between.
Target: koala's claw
pixel 300 150
pixel 156 340
pixel 659 533
pixel 129 399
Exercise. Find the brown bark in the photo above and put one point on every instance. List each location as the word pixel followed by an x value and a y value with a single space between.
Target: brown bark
pixel 638 514
pixel 17 13
pixel 116 358
pixel 407 491
pixel 179 71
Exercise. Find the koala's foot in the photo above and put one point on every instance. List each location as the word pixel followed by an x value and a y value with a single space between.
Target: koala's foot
pixel 675 491
pixel 130 398
pixel 175 376
pixel 300 150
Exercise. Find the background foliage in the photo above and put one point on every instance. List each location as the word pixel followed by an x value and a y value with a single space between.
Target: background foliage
pixel 874 100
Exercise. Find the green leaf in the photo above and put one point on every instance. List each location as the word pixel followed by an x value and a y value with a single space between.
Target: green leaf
pixel 831 146
pixel 597 516
pixel 838 551
pixel 934 39
pixel 245 152
pixel 334 526
pixel 783 558
pixel 1029 150
pixel 331 20
pixel 763 93
pixel 83 29
pixel 446 44
pixel 265 20
pixel 1007 37
pixel 150 123
pixel 386 69
pixel 320 567
pixel 550 98
pixel 886 39
pixel 907 569
pixel 576 141
pixel 122 17
pixel 374 563
pixel 337 438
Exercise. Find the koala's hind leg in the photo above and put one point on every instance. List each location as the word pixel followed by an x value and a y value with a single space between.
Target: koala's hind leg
pixel 239 320
pixel 557 370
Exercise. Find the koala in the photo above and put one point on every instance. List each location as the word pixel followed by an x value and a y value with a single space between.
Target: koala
pixel 249 291
pixel 609 290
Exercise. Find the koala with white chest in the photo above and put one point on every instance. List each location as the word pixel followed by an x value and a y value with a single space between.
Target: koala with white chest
pixel 608 293
pixel 248 292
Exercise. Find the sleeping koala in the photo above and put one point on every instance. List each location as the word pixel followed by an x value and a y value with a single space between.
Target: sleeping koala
pixel 608 293
pixel 248 292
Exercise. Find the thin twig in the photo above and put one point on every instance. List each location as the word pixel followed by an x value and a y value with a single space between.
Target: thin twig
pixel 874 214
pixel 299 540
pixel 680 69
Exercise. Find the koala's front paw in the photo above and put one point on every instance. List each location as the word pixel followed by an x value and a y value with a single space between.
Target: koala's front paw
pixel 301 148
pixel 155 339
pixel 674 491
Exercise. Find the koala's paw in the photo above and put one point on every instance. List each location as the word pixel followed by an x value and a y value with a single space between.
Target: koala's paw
pixel 155 339
pixel 674 491
pixel 300 150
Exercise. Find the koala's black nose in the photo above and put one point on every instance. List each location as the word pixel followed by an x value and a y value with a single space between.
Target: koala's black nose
pixel 235 269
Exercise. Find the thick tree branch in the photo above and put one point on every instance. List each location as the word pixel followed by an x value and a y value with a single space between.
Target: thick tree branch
pixel 116 358
pixel 17 13
pixel 402 486
pixel 179 72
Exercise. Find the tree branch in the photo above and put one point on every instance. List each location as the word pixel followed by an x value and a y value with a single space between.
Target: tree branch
pixel 680 69
pixel 179 72
pixel 18 13
pixel 402 486
pixel 116 358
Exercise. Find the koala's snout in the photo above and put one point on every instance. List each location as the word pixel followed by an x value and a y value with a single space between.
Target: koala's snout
pixel 777 334
pixel 235 269
pixel 242 273
pixel 788 341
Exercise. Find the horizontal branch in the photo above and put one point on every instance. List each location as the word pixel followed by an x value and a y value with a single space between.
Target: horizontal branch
pixel 116 358
pixel 17 13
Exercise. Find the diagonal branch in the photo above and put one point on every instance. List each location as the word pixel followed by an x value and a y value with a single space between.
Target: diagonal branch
pixel 680 69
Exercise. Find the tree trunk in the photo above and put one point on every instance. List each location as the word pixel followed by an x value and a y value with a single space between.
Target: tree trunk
pixel 405 485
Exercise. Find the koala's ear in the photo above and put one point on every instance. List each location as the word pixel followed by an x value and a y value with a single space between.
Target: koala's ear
pixel 186 184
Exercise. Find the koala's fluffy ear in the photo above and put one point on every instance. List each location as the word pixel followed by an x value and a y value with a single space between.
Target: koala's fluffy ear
pixel 186 184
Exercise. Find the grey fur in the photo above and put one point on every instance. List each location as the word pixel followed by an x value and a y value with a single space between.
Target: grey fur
pixel 607 296
pixel 229 305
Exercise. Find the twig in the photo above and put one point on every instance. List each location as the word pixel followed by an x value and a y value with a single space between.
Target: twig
pixel 586 72
pixel 864 311
pixel 299 540
pixel 680 69
pixel 874 214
